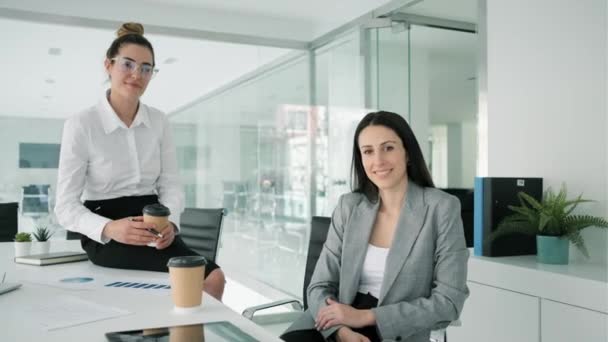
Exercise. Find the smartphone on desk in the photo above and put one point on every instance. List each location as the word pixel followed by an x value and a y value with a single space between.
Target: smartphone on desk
pixel 203 332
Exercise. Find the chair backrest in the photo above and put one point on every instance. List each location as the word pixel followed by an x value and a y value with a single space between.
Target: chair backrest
pixel 8 221
pixel 319 226
pixel 466 197
pixel 200 229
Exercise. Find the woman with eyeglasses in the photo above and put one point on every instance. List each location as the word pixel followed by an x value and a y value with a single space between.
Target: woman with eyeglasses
pixel 119 156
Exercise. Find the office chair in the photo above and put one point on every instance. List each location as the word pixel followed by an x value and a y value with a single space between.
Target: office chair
pixel 8 221
pixel 466 197
pixel 200 229
pixel 319 226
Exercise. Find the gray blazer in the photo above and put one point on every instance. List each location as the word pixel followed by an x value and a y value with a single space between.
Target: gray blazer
pixel 424 285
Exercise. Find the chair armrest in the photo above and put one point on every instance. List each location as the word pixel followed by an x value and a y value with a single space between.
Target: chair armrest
pixel 249 312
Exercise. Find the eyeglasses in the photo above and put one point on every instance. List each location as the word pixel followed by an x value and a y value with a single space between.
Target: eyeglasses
pixel 127 65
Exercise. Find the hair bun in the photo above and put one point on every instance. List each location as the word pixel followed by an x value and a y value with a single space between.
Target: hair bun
pixel 130 28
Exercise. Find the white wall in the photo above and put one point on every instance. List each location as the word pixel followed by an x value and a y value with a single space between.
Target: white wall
pixel 455 162
pixel 468 153
pixel 546 63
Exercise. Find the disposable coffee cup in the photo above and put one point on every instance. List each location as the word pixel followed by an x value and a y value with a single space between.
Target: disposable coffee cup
pixel 187 333
pixel 186 274
pixel 157 214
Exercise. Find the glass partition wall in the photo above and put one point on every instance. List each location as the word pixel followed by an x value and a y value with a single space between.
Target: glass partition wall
pixel 276 148
pixel 251 149
pixel 427 75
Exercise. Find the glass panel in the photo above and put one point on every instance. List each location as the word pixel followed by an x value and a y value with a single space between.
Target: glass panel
pixel 251 146
pixel 340 94
pixel 440 104
pixel 390 68
pixel 444 102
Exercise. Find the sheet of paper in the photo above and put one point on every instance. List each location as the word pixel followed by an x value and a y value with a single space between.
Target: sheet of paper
pixel 67 311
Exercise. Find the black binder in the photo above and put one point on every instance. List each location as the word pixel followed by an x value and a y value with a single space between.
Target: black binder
pixel 493 195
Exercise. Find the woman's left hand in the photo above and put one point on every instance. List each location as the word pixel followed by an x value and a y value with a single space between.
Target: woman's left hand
pixel 168 237
pixel 336 313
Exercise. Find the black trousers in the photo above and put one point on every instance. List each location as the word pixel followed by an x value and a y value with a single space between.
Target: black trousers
pixel 362 301
pixel 118 255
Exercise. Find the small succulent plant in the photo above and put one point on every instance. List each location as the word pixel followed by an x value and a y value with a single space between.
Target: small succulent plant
pixel 23 237
pixel 42 233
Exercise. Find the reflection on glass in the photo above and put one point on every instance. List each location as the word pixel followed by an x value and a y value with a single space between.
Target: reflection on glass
pixel 248 150
pixel 208 332
pixel 340 94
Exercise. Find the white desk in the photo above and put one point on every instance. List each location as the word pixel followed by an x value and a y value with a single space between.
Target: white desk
pixel 149 308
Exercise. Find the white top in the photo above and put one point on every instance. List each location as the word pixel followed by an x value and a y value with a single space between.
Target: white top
pixel 373 270
pixel 102 158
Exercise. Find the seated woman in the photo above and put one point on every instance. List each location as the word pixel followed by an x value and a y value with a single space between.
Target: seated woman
pixel 119 156
pixel 394 266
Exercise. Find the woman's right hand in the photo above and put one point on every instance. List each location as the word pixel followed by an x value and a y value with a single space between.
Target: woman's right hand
pixel 345 334
pixel 130 231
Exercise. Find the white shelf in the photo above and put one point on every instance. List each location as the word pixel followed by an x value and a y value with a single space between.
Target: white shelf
pixel 581 284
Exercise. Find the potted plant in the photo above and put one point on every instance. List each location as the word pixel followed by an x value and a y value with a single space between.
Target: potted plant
pixel 553 223
pixel 23 244
pixel 42 235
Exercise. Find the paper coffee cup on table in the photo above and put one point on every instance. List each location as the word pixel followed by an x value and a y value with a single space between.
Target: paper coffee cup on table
pixel 187 333
pixel 186 274
pixel 157 214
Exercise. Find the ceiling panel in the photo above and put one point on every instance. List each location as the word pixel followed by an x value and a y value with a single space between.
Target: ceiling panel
pixel 38 84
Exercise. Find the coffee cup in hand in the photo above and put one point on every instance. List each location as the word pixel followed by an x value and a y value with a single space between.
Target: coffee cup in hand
pixel 186 274
pixel 157 214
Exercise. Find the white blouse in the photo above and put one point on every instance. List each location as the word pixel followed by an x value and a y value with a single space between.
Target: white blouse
pixel 102 158
pixel 373 270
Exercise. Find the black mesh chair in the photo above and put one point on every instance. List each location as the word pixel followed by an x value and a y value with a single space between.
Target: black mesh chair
pixel 200 229
pixel 319 226
pixel 8 221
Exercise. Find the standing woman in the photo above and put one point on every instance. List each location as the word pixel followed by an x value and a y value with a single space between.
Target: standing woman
pixel 394 266
pixel 119 156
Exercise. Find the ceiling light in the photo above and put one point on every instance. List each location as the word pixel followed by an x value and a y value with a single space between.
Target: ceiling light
pixel 55 51
pixel 170 60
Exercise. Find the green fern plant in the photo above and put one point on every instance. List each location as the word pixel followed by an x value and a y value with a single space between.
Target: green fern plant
pixel 552 217
pixel 23 237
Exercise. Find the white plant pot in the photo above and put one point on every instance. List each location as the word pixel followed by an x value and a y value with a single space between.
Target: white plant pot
pixel 43 247
pixel 22 248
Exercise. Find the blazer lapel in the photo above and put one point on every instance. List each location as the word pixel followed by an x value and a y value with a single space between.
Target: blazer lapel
pixel 409 224
pixel 356 238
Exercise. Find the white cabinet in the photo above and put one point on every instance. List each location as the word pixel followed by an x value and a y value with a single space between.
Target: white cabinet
pixel 567 323
pixel 496 315
pixel 516 299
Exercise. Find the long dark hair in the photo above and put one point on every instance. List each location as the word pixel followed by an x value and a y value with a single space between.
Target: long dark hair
pixel 416 166
pixel 129 33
